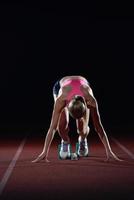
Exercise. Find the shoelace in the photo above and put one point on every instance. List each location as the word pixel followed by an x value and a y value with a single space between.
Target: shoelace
pixel 65 147
pixel 82 145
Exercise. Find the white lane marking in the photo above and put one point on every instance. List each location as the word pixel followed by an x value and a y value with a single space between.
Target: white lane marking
pixel 11 166
pixel 124 148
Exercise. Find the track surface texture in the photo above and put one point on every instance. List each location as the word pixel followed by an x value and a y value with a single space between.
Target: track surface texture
pixel 90 177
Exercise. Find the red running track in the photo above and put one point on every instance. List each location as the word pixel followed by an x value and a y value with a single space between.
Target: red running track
pixel 89 178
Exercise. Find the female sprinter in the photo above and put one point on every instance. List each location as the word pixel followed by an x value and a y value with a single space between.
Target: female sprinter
pixel 74 96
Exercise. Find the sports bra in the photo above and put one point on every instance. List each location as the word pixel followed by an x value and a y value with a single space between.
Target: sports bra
pixel 75 87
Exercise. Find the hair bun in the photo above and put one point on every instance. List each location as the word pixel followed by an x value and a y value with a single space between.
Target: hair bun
pixel 79 98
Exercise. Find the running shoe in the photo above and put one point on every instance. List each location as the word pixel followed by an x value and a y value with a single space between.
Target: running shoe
pixel 65 151
pixel 82 147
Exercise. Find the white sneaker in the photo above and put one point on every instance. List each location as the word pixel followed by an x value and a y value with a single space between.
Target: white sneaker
pixel 64 150
pixel 82 147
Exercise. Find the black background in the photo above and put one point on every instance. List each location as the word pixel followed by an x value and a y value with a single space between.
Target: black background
pixel 42 43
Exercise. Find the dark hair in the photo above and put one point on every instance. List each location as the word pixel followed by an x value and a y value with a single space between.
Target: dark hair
pixel 77 107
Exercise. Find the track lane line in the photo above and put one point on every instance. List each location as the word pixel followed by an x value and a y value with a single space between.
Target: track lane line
pixel 11 166
pixel 126 150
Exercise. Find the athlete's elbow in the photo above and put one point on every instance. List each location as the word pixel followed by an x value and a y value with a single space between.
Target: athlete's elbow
pixel 52 130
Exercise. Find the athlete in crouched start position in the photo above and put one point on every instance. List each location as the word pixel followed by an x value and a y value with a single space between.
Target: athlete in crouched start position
pixel 73 95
